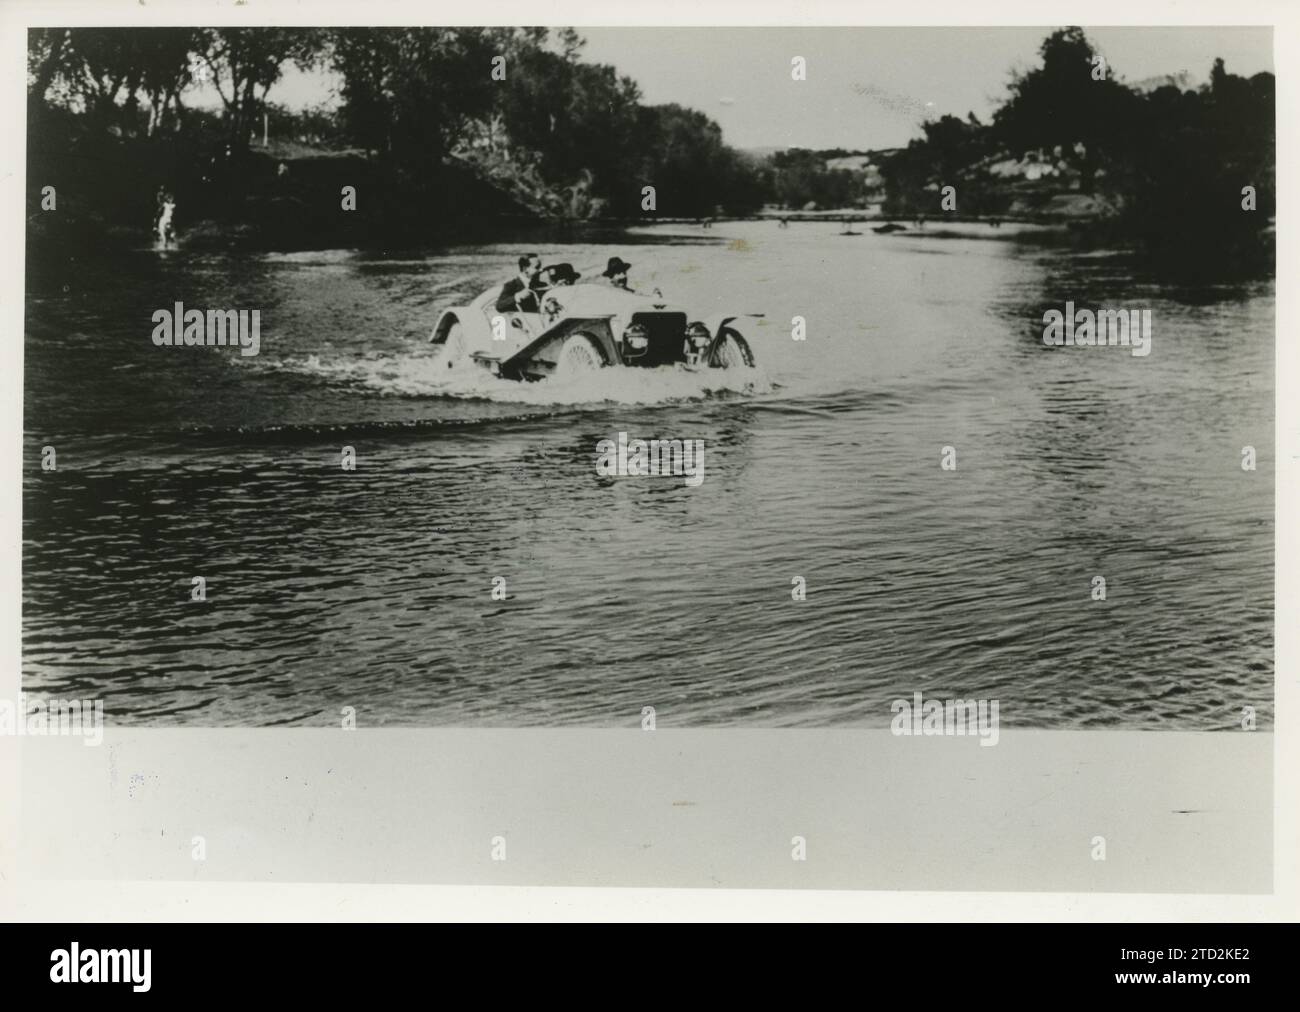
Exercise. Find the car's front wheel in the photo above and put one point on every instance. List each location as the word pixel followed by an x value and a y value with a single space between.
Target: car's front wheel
pixel 730 351
pixel 579 355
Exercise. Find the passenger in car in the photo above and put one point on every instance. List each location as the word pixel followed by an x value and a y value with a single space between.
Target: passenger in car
pixel 519 294
pixel 561 275
pixel 541 281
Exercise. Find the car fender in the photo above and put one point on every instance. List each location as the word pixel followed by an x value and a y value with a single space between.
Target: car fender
pixel 547 345
pixel 478 332
pixel 717 321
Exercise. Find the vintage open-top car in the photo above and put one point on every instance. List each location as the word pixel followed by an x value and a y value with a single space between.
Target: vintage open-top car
pixel 583 327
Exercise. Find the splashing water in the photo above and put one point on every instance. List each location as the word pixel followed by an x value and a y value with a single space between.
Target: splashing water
pixel 427 375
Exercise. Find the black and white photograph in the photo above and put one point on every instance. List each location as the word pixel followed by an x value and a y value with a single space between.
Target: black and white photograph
pixel 813 456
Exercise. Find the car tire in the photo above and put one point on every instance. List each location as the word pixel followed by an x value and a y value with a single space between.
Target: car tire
pixel 730 351
pixel 579 355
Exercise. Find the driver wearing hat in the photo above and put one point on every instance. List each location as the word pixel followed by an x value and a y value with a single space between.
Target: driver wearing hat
pixel 615 273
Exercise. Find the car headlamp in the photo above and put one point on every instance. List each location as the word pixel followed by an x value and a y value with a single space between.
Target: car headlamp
pixel 636 339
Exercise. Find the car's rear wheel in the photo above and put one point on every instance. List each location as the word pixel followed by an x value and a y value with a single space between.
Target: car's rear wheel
pixel 579 355
pixel 455 354
pixel 730 351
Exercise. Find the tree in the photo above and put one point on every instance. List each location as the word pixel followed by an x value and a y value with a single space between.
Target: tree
pixel 49 57
pixel 576 116
pixel 409 91
pixel 1071 99
pixel 166 57
pixel 102 61
pixel 242 60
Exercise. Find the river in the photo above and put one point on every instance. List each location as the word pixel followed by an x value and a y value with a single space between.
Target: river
pixel 372 588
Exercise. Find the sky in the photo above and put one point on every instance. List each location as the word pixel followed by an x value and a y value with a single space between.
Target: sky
pixel 866 88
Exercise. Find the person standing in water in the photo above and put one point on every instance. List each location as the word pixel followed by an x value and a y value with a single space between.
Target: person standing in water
pixel 166 230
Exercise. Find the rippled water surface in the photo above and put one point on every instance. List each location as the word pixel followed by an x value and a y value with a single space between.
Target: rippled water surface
pixel 372 588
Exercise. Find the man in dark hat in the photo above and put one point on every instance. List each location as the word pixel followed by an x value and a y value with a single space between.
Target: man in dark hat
pixel 615 273
pixel 555 276
pixel 559 275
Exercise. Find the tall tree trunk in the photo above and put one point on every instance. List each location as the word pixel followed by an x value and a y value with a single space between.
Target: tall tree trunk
pixel 248 112
pixel 179 120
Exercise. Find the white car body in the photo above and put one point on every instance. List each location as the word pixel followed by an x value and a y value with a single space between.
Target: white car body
pixel 586 325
